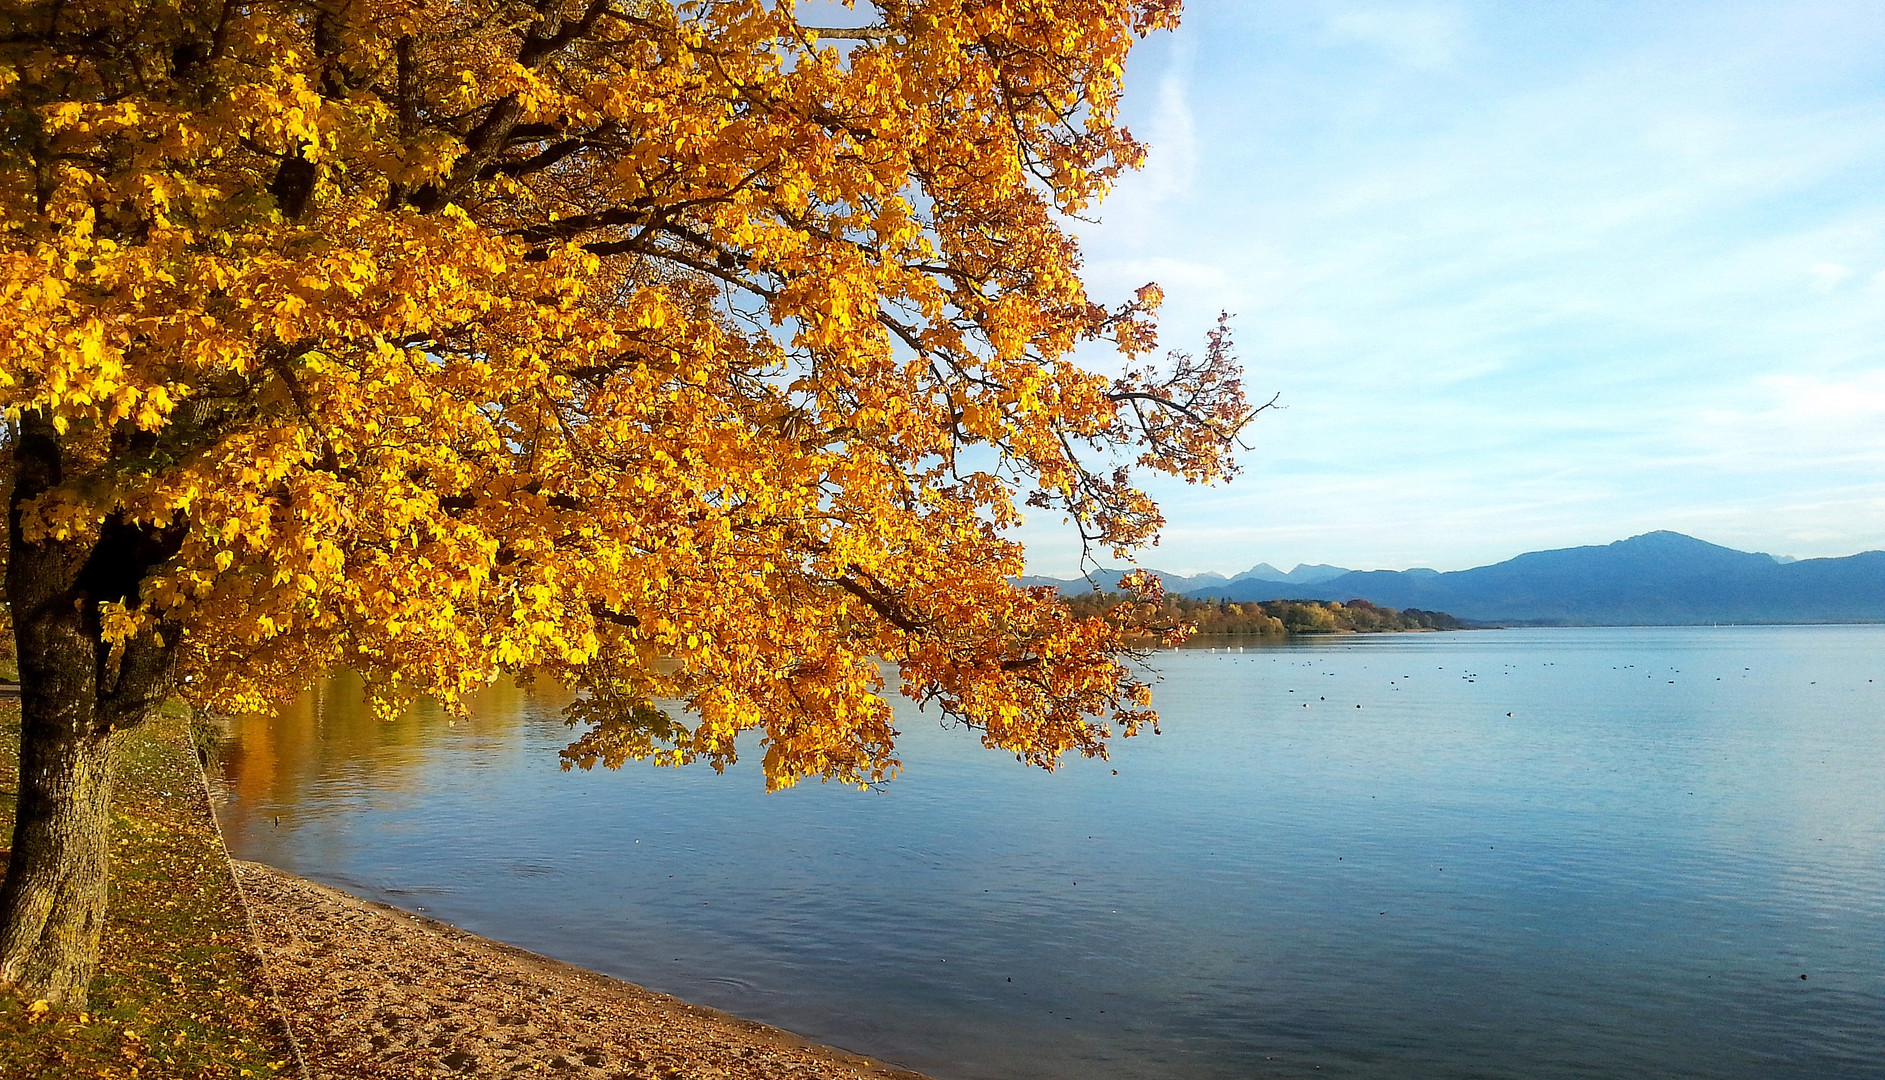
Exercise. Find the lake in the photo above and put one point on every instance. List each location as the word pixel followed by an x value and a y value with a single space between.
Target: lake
pixel 1618 852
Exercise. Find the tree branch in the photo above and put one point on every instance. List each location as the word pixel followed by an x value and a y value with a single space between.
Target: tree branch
pixel 883 605
pixel 851 33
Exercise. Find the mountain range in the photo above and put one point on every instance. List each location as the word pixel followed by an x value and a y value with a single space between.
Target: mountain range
pixel 1656 579
pixel 1199 584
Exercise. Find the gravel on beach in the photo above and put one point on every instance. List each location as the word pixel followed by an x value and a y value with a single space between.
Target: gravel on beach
pixel 375 992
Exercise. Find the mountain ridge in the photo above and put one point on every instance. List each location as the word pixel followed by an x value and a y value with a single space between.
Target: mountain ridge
pixel 1655 578
pixel 1108 579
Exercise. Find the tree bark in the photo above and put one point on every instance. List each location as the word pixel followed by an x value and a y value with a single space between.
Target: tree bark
pixel 52 908
pixel 77 696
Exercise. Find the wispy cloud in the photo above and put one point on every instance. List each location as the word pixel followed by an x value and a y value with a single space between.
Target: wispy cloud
pixel 1171 171
pixel 1415 35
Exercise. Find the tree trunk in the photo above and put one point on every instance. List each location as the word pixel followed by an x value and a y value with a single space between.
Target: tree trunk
pixel 77 695
pixel 52 907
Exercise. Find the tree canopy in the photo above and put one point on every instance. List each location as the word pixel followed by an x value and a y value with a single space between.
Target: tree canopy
pixel 678 351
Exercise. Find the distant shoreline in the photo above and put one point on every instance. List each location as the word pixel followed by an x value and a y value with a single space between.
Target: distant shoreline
pixel 1274 619
pixel 1468 624
pixel 1333 633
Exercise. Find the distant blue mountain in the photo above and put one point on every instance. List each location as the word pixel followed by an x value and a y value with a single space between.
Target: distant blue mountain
pixel 1198 584
pixel 1659 578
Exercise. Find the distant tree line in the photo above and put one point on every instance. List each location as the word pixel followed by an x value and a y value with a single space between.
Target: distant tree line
pixel 1270 618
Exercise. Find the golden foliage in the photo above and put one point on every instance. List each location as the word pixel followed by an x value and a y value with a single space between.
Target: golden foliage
pixel 678 351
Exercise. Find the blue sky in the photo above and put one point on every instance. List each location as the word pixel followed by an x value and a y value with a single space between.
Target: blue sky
pixel 1526 275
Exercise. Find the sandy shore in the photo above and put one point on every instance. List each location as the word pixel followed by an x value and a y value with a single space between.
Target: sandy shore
pixel 378 992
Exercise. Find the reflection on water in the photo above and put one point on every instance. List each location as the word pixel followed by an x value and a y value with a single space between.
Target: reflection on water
pixel 1563 853
pixel 328 740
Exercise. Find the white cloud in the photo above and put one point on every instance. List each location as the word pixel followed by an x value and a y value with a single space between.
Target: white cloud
pixel 1171 165
pixel 1420 36
pixel 1828 276
pixel 1786 419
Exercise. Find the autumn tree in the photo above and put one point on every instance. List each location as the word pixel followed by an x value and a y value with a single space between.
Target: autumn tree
pixel 672 350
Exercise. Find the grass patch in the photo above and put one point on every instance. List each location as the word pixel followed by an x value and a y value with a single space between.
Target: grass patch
pixel 178 992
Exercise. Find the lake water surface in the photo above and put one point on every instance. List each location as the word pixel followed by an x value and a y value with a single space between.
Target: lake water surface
pixel 1520 853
